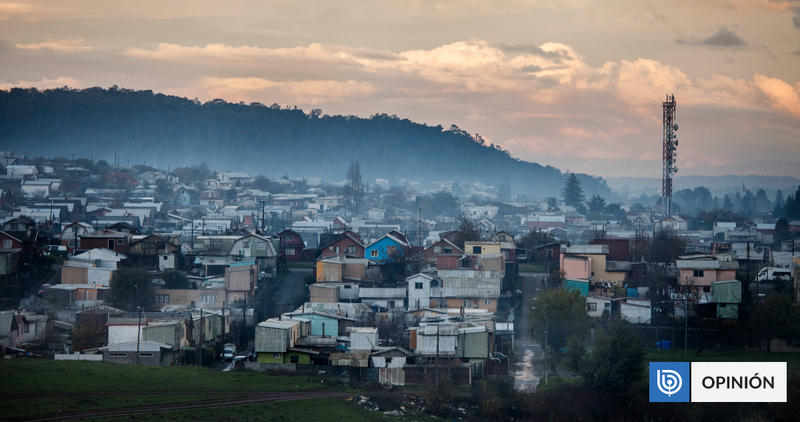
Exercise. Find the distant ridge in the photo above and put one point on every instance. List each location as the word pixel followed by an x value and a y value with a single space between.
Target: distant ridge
pixel 170 131
pixel 718 185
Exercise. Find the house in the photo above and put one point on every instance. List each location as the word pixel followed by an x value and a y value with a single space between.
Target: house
pixel 699 274
pixel 340 268
pixel 240 281
pixel 435 340
pixel 441 247
pixel 150 353
pixel 275 338
pixel 383 297
pixel 508 247
pixel 387 247
pixel 106 238
pixel 467 289
pixel 674 223
pixel 419 290
pixel 291 245
pixel 71 232
pixel 363 338
pixel 324 323
pixel 588 262
pixel 389 357
pixel 154 250
pixel 636 311
pixel 348 244
pixel 596 306
pixel 22 330
pixel 261 248
pixel 9 264
pixel 727 295
pixel 473 343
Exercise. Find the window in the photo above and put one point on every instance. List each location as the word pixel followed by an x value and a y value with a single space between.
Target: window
pixel 262 246
pixel 351 249
pixel 442 303
pixel 118 354
pixel 373 253
pixel 476 250
pixel 337 249
pixel 161 298
pixel 294 359
pixel 110 243
pixel 464 263
pixel 447 249
pixel 26 328
pixel 166 257
pixel 347 286
pixel 592 306
pixel 208 298
pixel 418 285
pixel 437 249
pixel 391 304
pixel 698 273
pixel 146 355
pixel 119 241
pixel 487 302
pixel 289 237
pixel 290 251
pixel 7 243
pixel 607 305
pixel 465 304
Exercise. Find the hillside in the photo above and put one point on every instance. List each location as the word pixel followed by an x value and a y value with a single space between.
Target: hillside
pixel 170 131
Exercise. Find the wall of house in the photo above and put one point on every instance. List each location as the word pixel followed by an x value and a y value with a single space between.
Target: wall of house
pixel 74 275
pixel 709 276
pixel 419 298
pixel 122 333
pixel 323 294
pixel 342 246
pixel 240 279
pixel 329 271
pixel 490 304
pixel 486 248
pixel 576 268
pixel 383 248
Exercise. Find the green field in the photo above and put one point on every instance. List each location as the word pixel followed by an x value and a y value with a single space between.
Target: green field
pixel 37 387
pixel 301 410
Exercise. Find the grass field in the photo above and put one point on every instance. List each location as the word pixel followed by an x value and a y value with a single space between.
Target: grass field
pixel 32 387
pixel 301 410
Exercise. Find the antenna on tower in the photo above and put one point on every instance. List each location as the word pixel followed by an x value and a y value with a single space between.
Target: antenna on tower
pixel 669 153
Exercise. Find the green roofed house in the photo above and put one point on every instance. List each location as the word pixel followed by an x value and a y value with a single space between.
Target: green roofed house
pixel 727 295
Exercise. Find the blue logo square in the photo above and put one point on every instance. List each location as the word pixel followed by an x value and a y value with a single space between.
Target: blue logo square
pixel 669 382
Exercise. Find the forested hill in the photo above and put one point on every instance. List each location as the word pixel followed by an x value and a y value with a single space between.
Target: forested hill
pixel 169 131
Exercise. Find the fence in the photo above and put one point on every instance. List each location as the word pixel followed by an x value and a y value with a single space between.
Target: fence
pixel 460 375
pixel 78 356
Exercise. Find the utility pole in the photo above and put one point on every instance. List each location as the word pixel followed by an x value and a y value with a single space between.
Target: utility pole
pixel 262 217
pixel 546 327
pixel 139 324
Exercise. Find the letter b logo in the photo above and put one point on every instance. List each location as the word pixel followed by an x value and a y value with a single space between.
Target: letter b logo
pixel 669 381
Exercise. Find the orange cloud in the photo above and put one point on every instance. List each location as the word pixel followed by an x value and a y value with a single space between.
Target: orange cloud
pixel 780 94
pixel 68 46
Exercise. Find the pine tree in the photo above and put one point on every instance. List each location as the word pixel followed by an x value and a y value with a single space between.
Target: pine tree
pixel 573 192
pixel 779 203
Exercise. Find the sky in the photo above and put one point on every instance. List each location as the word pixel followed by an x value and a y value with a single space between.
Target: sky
pixel 573 84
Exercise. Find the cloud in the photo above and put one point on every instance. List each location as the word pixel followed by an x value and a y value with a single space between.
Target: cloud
pixel 723 38
pixel 304 91
pixel 68 46
pixel 44 83
pixel 9 10
pixel 780 94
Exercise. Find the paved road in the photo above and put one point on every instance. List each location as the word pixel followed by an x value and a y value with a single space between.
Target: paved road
pixel 526 371
pixel 244 399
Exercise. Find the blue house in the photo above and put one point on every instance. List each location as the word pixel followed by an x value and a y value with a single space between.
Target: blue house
pixel 387 247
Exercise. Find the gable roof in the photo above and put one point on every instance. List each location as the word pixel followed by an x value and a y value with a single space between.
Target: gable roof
pixel 400 241
pixel 444 239
pixel 353 236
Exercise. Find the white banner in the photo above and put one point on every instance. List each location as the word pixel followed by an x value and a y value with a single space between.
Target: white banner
pixel 739 381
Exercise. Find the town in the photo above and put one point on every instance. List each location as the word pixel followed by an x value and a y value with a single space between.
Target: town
pixel 397 282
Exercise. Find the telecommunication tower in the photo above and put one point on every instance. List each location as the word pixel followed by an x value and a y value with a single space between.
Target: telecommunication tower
pixel 669 154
